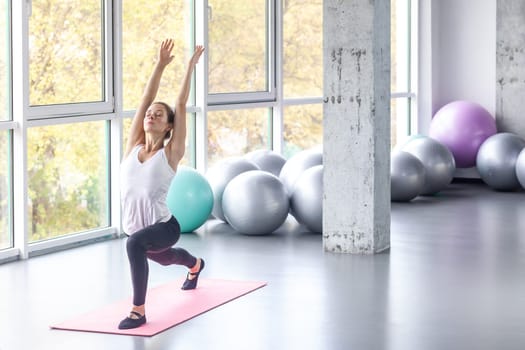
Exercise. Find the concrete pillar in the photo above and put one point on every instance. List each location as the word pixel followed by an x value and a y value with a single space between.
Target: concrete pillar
pixel 510 61
pixel 356 123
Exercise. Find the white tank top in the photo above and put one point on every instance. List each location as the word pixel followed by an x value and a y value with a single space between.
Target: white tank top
pixel 143 190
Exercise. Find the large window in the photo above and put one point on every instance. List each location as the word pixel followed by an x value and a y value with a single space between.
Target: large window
pixel 81 67
pixel 401 65
pixel 6 232
pixel 5 61
pixel 302 75
pixel 6 238
pixel 240 50
pixel 144 26
pixel 303 128
pixel 237 132
pixel 68 60
pixel 69 76
pixel 174 19
pixel 302 48
pixel 68 179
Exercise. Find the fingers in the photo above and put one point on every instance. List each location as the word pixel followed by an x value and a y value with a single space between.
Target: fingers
pixel 167 44
pixel 199 49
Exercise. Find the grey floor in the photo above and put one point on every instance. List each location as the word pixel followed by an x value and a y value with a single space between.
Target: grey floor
pixel 454 278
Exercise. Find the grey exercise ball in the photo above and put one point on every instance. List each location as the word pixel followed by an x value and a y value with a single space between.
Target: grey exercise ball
pixel 407 176
pixel 496 161
pixel 267 160
pixel 255 203
pixel 294 167
pixel 438 162
pixel 307 199
pixel 221 174
pixel 520 168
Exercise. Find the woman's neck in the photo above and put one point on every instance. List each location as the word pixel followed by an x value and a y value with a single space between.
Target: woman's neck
pixel 153 143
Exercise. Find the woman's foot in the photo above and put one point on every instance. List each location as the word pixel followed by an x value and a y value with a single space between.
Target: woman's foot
pixel 193 276
pixel 134 320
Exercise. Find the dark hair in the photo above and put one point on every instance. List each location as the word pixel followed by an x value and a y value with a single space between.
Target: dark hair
pixel 171 116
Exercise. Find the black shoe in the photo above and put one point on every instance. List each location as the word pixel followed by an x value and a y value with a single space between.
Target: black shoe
pixel 129 323
pixel 192 284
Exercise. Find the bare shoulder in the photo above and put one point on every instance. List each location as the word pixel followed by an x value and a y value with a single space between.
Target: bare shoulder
pixel 130 148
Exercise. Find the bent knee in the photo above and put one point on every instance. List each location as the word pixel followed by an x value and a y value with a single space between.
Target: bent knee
pixel 133 244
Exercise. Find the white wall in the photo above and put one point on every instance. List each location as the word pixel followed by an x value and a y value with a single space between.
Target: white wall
pixel 461 64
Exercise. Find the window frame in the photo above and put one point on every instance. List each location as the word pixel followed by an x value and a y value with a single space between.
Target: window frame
pixel 409 125
pixel 82 108
pixel 8 125
pixel 111 230
pixel 230 98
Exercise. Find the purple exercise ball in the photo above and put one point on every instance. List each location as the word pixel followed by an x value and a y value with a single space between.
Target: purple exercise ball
pixel 462 126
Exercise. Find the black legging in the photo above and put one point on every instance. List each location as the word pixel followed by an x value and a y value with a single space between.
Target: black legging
pixel 154 242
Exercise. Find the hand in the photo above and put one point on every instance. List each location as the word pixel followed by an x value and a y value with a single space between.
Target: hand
pixel 165 56
pixel 199 49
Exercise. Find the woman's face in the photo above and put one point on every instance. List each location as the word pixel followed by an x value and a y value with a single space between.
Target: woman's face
pixel 156 120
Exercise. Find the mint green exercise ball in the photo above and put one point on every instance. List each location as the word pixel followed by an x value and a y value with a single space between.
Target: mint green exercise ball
pixel 190 198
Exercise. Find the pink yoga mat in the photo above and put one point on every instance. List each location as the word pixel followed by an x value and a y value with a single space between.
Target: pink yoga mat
pixel 166 306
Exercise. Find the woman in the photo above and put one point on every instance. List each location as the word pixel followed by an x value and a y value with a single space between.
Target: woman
pixel 148 167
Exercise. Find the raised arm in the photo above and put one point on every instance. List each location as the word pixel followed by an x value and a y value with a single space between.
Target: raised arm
pixel 136 133
pixel 177 143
